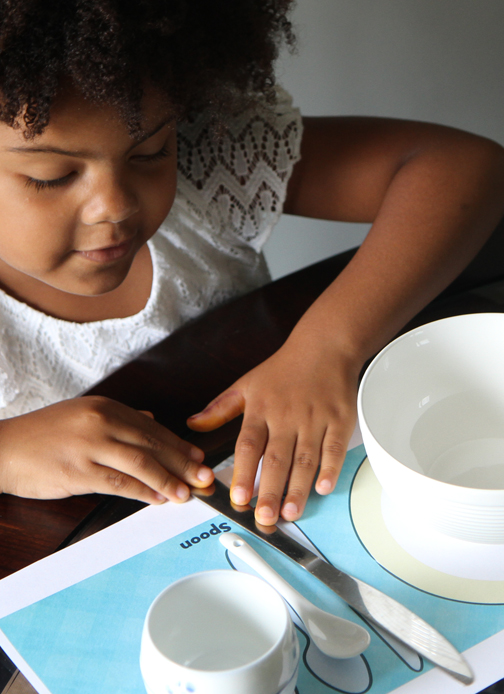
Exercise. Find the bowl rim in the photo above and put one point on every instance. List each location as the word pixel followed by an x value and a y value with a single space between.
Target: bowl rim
pixel 485 493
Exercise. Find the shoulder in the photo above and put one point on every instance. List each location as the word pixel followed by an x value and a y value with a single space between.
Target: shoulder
pixel 269 133
pixel 281 111
pixel 233 184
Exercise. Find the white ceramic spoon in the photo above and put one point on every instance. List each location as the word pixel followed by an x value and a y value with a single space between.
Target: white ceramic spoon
pixel 334 636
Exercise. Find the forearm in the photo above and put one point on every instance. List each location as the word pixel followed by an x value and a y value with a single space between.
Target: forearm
pixel 436 212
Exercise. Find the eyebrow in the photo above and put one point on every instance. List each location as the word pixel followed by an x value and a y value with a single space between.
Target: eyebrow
pixel 81 153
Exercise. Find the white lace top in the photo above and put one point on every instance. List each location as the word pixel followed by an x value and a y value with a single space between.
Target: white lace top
pixel 229 196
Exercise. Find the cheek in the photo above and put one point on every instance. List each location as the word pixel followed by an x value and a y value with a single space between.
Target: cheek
pixel 32 233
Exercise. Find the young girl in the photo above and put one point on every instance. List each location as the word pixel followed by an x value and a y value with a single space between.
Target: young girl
pixel 144 158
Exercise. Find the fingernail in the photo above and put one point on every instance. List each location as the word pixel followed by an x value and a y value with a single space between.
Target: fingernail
pixel 290 509
pixel 265 512
pixel 239 496
pixel 204 474
pixel 324 486
pixel 161 498
pixel 182 492
pixel 198 414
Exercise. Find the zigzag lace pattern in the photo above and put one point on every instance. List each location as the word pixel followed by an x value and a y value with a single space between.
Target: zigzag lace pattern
pixel 241 180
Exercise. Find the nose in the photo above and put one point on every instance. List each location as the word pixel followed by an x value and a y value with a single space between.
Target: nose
pixel 108 199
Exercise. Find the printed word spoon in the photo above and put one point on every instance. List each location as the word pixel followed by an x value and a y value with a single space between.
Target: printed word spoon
pixel 334 636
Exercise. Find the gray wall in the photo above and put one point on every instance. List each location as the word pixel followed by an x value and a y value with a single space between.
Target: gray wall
pixel 434 60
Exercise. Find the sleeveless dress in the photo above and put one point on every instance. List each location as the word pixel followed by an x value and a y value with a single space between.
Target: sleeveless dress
pixel 230 194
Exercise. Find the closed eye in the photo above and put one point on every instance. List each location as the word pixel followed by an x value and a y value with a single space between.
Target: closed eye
pixel 39 184
pixel 161 154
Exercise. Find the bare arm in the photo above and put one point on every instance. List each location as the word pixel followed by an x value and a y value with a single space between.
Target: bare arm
pixel 434 195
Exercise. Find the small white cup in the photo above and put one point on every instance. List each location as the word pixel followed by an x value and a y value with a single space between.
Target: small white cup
pixel 219 632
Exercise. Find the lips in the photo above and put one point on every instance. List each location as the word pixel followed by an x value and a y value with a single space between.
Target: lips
pixel 108 254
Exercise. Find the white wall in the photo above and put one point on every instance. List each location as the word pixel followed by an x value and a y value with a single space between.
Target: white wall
pixel 435 60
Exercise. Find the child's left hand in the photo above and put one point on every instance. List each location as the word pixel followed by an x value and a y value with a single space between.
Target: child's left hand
pixel 297 412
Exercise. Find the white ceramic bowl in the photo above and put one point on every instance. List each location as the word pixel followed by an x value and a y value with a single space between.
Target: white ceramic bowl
pixel 219 632
pixel 431 413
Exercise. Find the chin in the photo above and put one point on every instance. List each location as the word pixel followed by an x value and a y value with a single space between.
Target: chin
pixel 96 287
pixel 104 282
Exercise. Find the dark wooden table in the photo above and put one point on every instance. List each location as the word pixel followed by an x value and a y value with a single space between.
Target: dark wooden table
pixel 177 377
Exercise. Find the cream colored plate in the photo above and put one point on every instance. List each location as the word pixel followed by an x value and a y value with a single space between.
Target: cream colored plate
pixel 439 565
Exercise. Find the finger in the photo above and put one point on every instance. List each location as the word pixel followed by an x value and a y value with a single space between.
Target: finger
pixel 139 464
pixel 249 448
pixel 223 409
pixel 102 479
pixel 334 447
pixel 173 454
pixel 147 413
pixel 122 423
pixel 304 467
pixel 274 474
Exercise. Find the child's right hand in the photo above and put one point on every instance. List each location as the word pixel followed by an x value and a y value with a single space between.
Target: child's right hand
pixel 93 444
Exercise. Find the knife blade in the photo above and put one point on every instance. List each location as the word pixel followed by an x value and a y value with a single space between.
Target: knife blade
pixel 371 603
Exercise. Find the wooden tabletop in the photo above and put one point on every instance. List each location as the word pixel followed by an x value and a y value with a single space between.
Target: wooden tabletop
pixel 181 374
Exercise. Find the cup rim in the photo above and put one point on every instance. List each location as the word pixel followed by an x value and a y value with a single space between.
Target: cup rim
pixel 228 572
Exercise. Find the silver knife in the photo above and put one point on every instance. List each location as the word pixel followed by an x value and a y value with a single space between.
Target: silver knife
pixel 371 603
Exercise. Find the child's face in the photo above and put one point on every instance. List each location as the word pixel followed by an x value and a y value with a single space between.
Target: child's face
pixel 80 200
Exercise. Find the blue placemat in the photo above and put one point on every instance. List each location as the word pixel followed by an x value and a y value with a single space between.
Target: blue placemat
pixel 86 639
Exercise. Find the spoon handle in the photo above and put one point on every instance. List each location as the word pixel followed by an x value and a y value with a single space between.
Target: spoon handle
pixel 241 549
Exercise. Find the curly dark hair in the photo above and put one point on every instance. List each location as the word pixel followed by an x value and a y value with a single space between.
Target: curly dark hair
pixel 213 54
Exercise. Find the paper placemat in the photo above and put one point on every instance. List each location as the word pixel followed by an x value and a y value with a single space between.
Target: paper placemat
pixel 73 621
